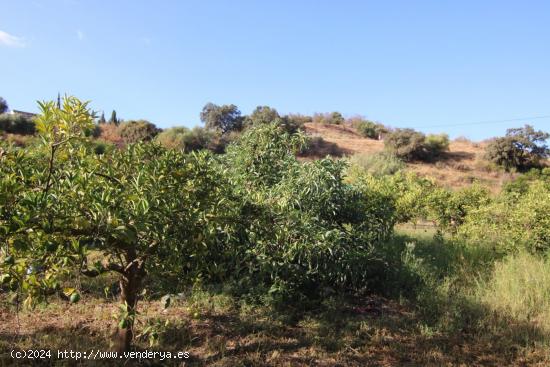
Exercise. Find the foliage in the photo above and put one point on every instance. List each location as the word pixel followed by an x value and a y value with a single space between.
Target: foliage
pixel 448 209
pixel 512 222
pixel 134 131
pixel 307 228
pixel 405 143
pixel 192 140
pixel 114 120
pixel 378 164
pixel 17 124
pixel 224 118
pixel 102 119
pixel 368 129
pixel 409 144
pixel 3 105
pixel 520 185
pixel 521 148
pixel 262 115
pixel 332 118
pixel 436 144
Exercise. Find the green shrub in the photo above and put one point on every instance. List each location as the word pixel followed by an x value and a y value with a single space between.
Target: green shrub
pixel 134 131
pixel 366 129
pixel 378 164
pixel 173 138
pixel 436 144
pixel 409 144
pixel 513 222
pixel 306 227
pixel 17 124
pixel 332 118
pixel 406 144
pixel 192 140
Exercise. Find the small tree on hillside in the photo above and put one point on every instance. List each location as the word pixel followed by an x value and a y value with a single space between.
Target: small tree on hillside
pixel 407 144
pixel 521 148
pixel 262 115
pixel 224 118
pixel 3 105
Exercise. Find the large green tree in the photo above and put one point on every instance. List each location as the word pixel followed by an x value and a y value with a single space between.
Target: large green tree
pixel 521 148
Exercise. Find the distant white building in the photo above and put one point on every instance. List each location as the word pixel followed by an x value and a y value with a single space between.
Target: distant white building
pixel 28 115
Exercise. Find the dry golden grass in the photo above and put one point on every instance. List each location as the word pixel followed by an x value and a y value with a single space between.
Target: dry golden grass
pixel 460 166
pixel 370 331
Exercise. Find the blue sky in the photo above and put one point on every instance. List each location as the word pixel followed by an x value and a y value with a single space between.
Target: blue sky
pixel 419 64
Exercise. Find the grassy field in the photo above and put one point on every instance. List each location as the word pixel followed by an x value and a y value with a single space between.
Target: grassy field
pixel 446 309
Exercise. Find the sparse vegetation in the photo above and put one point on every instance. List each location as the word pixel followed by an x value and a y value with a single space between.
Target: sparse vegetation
pixel 378 164
pixel 237 256
pixel 134 131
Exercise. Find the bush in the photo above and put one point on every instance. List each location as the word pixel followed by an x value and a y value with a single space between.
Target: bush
pixel 378 164
pixel 436 144
pixel 134 131
pixel 306 228
pixel 173 138
pixel 17 124
pixel 192 140
pixel 333 118
pixel 513 222
pixel 366 128
pixel 409 144
pixel 406 144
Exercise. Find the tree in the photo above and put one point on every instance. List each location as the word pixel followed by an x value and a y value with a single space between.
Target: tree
pixel 102 118
pixel 224 118
pixel 113 120
pixel 262 115
pixel 3 105
pixel 147 210
pixel 521 148
pixel 134 131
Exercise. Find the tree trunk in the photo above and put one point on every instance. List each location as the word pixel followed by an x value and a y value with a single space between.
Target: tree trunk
pixel 130 284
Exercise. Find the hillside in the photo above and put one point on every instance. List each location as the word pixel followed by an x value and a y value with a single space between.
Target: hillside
pixel 460 166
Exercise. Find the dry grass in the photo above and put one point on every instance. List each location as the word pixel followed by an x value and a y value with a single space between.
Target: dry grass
pixel 460 166
pixel 370 331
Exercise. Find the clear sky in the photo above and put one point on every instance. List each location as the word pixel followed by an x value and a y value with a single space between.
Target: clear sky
pixel 404 63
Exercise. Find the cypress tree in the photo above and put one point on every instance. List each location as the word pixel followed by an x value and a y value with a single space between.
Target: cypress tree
pixel 113 119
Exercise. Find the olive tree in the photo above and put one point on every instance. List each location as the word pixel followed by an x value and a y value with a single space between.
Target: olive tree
pixel 225 118
pixel 521 148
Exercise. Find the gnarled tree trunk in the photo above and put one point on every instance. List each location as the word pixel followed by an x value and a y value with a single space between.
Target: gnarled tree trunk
pixel 130 285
